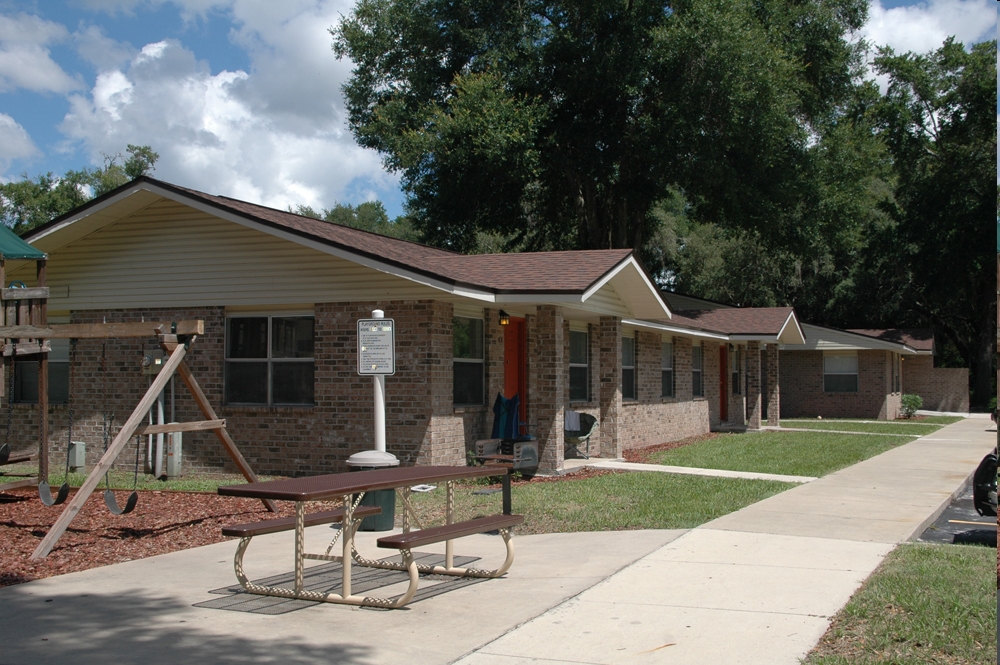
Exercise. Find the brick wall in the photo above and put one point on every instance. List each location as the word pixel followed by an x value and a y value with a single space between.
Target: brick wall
pixel 801 378
pixel 652 419
pixel 421 424
pixel 941 388
pixel 546 388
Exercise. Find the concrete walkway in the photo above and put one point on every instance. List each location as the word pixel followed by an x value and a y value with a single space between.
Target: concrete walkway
pixel 756 586
pixel 620 465
pixel 761 584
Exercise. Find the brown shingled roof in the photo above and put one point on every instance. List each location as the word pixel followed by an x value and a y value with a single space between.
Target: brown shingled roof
pixel 737 321
pixel 918 339
pixel 528 272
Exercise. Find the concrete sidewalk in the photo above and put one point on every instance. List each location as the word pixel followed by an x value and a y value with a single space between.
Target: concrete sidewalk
pixel 761 584
pixel 756 586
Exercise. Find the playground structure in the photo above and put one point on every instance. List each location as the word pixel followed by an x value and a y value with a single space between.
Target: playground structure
pixel 24 330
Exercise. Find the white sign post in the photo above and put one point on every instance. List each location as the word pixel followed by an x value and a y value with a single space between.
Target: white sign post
pixel 377 358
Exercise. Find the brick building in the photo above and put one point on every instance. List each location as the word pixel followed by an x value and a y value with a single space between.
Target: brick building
pixel 281 295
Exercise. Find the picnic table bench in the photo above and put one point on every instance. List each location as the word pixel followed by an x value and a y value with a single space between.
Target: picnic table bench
pixel 348 488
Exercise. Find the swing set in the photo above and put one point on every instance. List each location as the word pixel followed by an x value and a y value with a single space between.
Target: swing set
pixel 25 331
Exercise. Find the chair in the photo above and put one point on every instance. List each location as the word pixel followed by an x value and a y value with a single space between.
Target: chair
pixel 575 438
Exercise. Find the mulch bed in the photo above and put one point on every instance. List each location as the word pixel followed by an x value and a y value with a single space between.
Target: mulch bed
pixel 163 522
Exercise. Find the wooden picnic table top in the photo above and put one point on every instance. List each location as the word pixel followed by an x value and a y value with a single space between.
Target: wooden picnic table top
pixel 335 485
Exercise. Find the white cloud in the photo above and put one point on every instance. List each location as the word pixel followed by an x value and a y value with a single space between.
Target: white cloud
pixel 100 50
pixel 924 26
pixel 14 142
pixel 276 135
pixel 25 60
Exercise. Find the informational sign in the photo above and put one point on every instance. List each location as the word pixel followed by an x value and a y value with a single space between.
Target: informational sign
pixel 376 346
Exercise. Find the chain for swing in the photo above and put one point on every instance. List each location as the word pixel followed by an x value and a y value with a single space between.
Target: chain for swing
pixel 109 496
pixel 44 490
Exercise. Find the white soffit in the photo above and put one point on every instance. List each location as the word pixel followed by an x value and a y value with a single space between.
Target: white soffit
pixel 633 286
pixel 791 332
pixel 819 338
pixel 674 330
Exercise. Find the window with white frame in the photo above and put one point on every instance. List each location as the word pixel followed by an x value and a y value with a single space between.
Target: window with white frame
pixel 628 367
pixel 667 370
pixel 26 375
pixel 468 365
pixel 840 371
pixel 269 360
pixel 579 366
pixel 697 386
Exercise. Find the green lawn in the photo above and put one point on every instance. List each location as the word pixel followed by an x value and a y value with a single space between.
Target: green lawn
pixel 940 420
pixel 916 429
pixel 791 453
pixel 925 604
pixel 627 500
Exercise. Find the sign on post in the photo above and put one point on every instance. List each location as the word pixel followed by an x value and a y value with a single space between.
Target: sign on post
pixel 376 347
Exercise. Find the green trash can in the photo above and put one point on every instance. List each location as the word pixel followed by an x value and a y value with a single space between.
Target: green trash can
pixel 370 460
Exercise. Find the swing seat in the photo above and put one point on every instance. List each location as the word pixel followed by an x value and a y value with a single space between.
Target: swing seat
pixel 111 501
pixel 45 494
pixel 6 457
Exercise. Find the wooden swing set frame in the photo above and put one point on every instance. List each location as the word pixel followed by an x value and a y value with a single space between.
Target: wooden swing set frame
pixel 24 313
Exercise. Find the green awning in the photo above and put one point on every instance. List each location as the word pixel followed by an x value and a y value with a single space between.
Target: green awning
pixel 12 247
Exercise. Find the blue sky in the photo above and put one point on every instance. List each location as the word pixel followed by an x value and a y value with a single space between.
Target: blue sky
pixel 242 97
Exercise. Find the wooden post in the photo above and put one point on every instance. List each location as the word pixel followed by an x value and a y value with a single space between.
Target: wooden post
pixel 40 319
pixel 133 422
pixel 220 432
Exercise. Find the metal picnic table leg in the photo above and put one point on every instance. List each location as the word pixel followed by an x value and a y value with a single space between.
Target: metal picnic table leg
pixel 347 530
pixel 300 540
pixel 449 554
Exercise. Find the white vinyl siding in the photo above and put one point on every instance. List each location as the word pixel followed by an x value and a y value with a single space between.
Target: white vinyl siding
pixel 170 255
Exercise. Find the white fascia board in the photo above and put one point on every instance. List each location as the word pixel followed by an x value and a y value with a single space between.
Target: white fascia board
pixel 801 333
pixel 539 298
pixel 677 330
pixel 630 261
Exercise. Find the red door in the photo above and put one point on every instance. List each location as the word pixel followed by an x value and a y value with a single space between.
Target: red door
pixel 515 366
pixel 723 383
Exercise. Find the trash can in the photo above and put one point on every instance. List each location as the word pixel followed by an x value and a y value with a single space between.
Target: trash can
pixel 384 499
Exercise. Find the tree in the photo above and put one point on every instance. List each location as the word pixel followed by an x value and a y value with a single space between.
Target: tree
pixel 562 123
pixel 938 120
pixel 368 216
pixel 27 203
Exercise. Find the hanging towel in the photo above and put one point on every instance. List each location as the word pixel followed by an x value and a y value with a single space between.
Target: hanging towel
pixel 572 421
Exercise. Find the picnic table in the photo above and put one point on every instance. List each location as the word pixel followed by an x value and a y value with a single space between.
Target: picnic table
pixel 348 488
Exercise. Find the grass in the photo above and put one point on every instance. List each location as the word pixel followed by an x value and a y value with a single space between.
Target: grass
pixel 916 429
pixel 924 604
pixel 608 502
pixel 790 453
pixel 121 479
pixel 940 420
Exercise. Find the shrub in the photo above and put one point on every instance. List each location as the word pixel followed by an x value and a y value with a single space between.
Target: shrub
pixel 910 404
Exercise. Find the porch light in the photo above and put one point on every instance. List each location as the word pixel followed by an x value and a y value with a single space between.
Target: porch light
pixel 504 318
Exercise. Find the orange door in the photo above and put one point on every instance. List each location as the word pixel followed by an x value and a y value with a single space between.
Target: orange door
pixel 515 366
pixel 724 383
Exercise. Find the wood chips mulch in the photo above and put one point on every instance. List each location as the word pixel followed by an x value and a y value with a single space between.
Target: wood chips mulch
pixel 163 522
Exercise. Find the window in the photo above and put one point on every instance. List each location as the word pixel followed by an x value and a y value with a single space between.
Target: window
pixel 269 360
pixel 579 372
pixel 628 368
pixel 736 360
pixel 667 370
pixel 468 379
pixel 26 376
pixel 840 372
pixel 696 385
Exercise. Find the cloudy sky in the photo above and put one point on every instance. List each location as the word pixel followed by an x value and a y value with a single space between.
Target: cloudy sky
pixel 242 97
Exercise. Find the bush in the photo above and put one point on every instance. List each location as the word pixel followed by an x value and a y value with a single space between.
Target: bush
pixel 910 404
